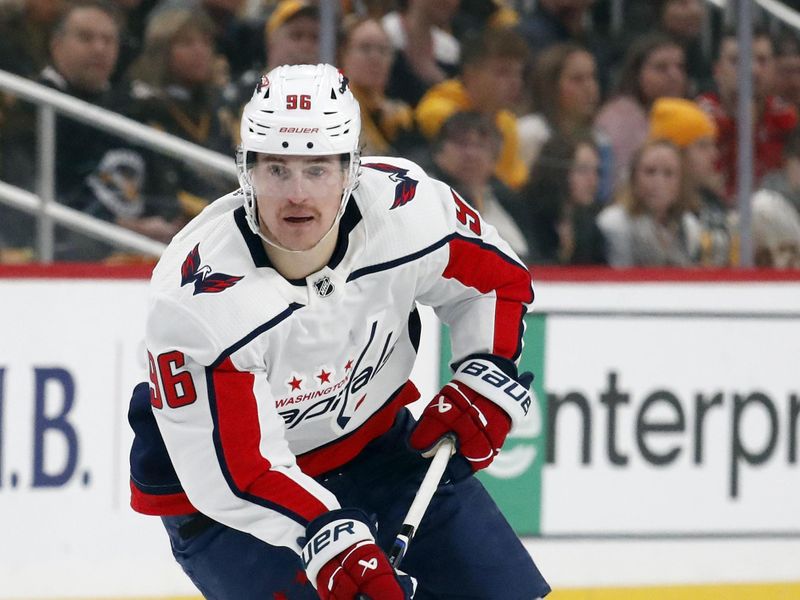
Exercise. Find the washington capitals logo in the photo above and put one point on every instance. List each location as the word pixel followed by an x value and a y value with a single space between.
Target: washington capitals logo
pixel 406 187
pixel 205 282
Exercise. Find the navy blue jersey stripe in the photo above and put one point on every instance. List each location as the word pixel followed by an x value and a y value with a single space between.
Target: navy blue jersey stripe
pixel 256 332
pixel 428 250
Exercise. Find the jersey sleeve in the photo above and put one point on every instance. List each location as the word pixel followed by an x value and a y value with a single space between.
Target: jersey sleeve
pixel 476 284
pixel 223 433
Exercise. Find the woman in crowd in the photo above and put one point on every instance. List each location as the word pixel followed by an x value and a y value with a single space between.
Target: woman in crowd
pixel 173 89
pixel 654 66
pixel 365 56
pixel 566 94
pixel 561 200
pixel 686 125
pixel 651 223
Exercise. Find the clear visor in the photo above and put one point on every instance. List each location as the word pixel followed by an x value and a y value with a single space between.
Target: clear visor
pixel 296 176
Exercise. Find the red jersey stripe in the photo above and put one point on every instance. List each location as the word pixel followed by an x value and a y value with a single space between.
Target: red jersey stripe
pixel 334 455
pixel 160 504
pixel 238 437
pixel 487 270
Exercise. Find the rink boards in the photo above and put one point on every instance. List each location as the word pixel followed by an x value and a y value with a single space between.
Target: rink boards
pixel 664 452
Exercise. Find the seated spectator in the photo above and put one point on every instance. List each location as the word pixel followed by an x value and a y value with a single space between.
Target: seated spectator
pixel 426 53
pixel 650 224
pixel 292 34
pixel 236 39
pixel 654 66
pixel 561 201
pixel 776 232
pixel 491 84
pixel 684 20
pixel 567 95
pixel 25 30
pixel 83 51
pixel 173 90
pixel 366 54
pixel 553 22
pixel 83 54
pixel 291 37
pixel 464 153
pixel 773 117
pixel 684 123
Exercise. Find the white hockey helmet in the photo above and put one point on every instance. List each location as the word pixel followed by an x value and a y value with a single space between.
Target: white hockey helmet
pixel 299 110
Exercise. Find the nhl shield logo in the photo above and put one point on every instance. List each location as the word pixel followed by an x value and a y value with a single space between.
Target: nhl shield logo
pixel 323 286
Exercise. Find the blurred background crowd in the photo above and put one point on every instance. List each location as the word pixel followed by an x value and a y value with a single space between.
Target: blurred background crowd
pixel 582 144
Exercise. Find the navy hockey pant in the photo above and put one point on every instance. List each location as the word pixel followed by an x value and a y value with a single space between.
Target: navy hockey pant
pixel 464 548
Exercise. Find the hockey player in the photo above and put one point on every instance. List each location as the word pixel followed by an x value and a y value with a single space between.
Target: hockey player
pixel 273 437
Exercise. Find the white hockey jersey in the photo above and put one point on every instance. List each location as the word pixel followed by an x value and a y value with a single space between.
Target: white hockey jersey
pixel 259 383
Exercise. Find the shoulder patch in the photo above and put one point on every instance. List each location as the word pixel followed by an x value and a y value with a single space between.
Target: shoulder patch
pixel 205 280
pixel 406 187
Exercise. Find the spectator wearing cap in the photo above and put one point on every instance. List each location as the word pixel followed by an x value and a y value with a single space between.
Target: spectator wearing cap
pixel 464 153
pixel 685 124
pixel 292 34
pixel 291 37
pixel 490 84
pixel 365 56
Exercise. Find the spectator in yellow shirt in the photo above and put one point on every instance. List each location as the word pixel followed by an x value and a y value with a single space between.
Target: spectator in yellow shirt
pixel 490 83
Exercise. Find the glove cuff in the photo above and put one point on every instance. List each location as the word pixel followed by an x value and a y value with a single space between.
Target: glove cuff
pixel 485 378
pixel 331 534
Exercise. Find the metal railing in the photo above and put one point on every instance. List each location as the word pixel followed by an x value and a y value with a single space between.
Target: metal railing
pixel 43 204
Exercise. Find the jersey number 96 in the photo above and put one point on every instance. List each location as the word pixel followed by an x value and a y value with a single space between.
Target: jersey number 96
pixel 178 386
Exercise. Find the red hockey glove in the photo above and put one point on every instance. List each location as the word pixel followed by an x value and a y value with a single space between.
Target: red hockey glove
pixel 342 560
pixel 479 405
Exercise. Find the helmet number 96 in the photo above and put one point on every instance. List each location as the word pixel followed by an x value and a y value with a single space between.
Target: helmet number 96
pixel 303 102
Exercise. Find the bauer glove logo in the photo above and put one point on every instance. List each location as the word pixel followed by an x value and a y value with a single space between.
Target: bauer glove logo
pixel 371 564
pixel 442 404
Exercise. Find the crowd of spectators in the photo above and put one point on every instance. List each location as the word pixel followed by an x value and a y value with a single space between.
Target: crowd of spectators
pixel 581 147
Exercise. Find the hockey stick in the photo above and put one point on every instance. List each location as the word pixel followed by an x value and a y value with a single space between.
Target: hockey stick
pixel 425 493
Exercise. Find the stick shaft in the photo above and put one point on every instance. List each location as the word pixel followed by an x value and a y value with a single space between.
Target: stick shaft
pixel 421 501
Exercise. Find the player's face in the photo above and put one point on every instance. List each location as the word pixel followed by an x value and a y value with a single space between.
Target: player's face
pixel 298 197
